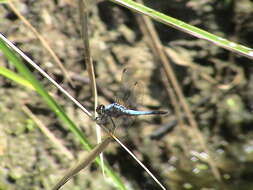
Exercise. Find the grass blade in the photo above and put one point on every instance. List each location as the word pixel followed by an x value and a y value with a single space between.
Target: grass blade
pixel 15 77
pixel 13 58
pixel 180 25
pixel 42 40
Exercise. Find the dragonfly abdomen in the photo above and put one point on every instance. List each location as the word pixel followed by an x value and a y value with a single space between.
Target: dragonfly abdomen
pixel 116 110
pixel 136 112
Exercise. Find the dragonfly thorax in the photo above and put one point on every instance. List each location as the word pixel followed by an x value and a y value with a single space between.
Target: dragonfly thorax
pixel 114 110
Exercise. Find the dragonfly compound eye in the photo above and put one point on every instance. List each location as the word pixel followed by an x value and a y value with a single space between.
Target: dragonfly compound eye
pixel 100 109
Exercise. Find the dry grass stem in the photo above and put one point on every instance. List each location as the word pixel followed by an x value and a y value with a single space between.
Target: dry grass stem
pixel 48 133
pixel 42 40
pixel 83 163
pixel 171 76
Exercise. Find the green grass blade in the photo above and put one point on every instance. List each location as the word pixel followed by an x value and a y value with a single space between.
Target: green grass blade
pixel 43 93
pixel 180 25
pixel 13 58
pixel 3 1
pixel 15 77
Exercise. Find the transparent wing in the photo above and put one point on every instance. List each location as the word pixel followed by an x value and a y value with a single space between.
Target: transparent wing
pixel 131 91
pixel 129 95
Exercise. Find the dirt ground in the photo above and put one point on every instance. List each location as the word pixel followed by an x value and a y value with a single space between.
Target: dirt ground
pixel 216 84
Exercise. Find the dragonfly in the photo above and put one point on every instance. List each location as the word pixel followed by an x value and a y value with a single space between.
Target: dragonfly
pixel 117 110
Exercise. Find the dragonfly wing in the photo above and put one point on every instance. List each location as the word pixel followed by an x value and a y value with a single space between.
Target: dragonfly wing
pixel 131 87
pixel 130 94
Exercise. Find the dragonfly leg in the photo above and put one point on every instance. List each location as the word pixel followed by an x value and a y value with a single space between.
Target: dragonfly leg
pixel 101 120
pixel 113 124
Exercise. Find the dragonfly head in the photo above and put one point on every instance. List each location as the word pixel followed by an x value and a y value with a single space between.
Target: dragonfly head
pixel 100 109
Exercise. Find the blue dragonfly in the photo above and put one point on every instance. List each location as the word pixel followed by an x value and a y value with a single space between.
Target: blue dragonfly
pixel 119 110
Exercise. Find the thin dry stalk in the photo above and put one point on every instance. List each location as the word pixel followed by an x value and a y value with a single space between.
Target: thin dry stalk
pixel 42 72
pixel 173 100
pixel 108 132
pixel 33 64
pixel 42 40
pixel 176 106
pixel 83 13
pixel 48 133
pixel 170 92
pixel 83 10
pixel 139 162
pixel 83 163
pixel 170 74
